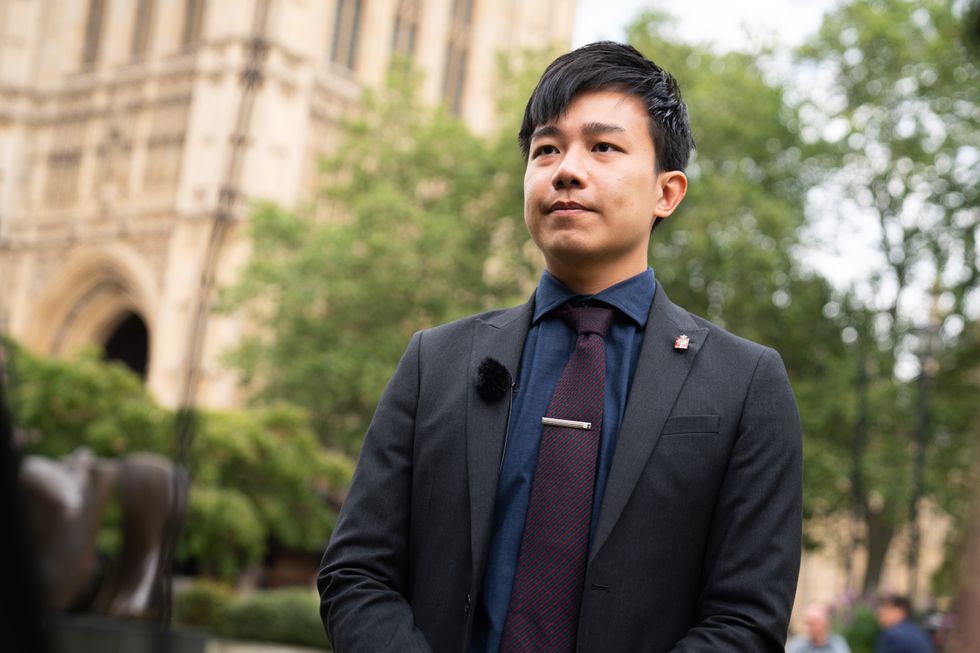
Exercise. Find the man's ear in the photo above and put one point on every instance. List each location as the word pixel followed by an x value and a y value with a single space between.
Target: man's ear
pixel 673 187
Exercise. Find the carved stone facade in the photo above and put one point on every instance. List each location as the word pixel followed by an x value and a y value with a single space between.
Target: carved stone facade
pixel 133 134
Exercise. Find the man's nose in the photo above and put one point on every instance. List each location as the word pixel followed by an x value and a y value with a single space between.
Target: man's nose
pixel 571 171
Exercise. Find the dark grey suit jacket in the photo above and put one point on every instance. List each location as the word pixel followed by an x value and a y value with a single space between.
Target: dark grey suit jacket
pixel 698 542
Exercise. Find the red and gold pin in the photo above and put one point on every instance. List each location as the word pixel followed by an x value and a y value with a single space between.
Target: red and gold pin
pixel 681 342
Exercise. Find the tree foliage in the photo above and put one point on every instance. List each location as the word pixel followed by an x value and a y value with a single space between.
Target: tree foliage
pixel 728 252
pixel 900 157
pixel 258 476
pixel 62 404
pixel 224 533
pixel 420 223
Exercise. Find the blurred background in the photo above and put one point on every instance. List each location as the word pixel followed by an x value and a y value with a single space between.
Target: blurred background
pixel 222 220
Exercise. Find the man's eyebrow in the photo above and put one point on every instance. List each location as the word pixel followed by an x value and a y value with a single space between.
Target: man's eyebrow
pixel 596 128
pixel 545 131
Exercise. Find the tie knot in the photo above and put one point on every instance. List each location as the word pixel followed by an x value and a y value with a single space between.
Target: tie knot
pixel 587 319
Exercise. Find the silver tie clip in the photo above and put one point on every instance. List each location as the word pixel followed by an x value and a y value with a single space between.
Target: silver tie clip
pixel 566 423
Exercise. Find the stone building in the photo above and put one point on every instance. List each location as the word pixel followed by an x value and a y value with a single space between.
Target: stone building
pixel 133 134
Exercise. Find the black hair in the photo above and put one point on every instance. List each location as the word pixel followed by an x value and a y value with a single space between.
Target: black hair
pixel 608 65
pixel 896 601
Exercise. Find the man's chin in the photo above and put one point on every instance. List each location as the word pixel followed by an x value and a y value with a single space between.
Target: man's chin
pixel 572 245
pixel 569 257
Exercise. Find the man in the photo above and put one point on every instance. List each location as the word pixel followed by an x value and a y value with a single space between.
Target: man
pixel 597 470
pixel 898 633
pixel 817 638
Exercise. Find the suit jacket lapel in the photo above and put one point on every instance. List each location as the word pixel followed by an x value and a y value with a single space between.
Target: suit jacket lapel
pixel 660 373
pixel 500 337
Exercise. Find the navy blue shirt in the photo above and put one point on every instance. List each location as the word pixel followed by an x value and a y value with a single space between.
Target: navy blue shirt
pixel 903 637
pixel 549 344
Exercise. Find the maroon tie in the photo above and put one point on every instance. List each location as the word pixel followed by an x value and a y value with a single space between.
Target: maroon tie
pixel 547 594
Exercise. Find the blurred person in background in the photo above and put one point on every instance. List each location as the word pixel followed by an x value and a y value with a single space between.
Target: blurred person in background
pixel 818 637
pixel 898 633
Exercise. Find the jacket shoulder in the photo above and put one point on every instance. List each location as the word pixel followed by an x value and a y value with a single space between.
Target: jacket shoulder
pixel 458 328
pixel 718 337
pixel 722 336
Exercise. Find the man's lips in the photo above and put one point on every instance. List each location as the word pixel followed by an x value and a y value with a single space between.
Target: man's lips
pixel 567 207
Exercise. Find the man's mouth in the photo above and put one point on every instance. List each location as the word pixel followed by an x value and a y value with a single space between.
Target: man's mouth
pixel 567 206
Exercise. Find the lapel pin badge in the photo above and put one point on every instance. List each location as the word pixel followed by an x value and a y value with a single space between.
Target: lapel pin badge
pixel 681 342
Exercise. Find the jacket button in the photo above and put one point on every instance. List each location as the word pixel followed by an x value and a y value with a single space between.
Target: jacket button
pixel 466 605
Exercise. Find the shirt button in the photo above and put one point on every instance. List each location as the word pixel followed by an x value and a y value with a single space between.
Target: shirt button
pixel 466 605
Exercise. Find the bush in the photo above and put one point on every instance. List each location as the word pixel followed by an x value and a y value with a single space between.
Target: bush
pixel 257 476
pixel 84 401
pixel 202 604
pixel 861 629
pixel 283 616
pixel 223 534
pixel 274 460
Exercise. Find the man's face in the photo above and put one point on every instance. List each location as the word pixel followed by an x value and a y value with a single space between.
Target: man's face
pixel 888 615
pixel 591 191
pixel 817 627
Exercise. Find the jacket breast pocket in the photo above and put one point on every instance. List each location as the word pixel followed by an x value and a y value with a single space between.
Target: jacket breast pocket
pixel 692 425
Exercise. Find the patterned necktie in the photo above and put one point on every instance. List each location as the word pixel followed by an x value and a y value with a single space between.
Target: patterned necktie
pixel 547 594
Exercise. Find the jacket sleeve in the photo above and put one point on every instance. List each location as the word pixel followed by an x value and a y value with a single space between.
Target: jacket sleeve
pixel 752 560
pixel 364 571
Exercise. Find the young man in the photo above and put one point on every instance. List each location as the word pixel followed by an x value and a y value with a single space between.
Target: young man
pixel 898 634
pixel 597 470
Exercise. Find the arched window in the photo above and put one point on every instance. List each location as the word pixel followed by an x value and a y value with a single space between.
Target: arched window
pixel 406 28
pixel 129 343
pixel 193 22
pixel 346 29
pixel 141 28
pixel 93 31
pixel 457 54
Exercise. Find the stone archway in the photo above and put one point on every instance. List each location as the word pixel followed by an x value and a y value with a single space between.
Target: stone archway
pixel 129 343
pixel 102 296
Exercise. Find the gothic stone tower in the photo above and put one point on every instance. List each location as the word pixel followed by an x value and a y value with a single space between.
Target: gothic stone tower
pixel 135 133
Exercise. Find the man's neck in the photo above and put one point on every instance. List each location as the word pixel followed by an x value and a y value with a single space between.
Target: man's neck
pixel 591 282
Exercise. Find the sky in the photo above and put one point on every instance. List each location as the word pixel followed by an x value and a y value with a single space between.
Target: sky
pixel 730 24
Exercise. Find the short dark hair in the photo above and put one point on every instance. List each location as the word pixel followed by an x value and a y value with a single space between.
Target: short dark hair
pixel 896 601
pixel 608 65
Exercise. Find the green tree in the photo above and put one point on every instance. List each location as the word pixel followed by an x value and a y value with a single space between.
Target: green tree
pixel 730 251
pixel 223 535
pixel 257 476
pixel 420 223
pixel 900 139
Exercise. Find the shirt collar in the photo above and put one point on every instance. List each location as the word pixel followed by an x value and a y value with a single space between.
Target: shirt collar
pixel 632 296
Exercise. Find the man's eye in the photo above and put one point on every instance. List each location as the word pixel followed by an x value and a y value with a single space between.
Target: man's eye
pixel 604 147
pixel 545 149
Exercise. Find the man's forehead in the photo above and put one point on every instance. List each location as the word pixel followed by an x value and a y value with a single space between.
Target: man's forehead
pixel 605 110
